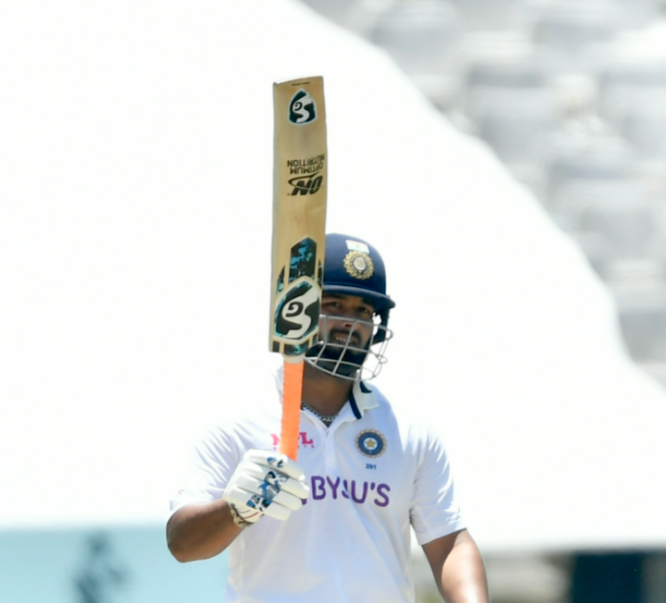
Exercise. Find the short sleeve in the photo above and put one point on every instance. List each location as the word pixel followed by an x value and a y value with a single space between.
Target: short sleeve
pixel 434 511
pixel 211 464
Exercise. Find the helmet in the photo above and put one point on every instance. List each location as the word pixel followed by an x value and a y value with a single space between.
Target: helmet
pixel 354 267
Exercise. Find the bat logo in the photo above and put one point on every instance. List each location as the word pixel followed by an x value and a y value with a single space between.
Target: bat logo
pixel 297 302
pixel 302 108
pixel 297 314
pixel 306 185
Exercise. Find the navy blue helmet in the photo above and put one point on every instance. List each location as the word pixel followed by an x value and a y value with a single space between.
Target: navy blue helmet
pixel 354 267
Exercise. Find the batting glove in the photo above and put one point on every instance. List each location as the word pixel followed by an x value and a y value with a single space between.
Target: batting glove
pixel 266 483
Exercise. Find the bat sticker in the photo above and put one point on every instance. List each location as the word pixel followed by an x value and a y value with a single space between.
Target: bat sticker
pixel 302 260
pixel 297 314
pixel 302 108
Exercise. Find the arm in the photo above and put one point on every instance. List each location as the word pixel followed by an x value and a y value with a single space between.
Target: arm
pixel 458 568
pixel 201 531
pixel 264 483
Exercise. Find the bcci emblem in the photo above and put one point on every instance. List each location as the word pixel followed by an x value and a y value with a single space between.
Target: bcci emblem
pixel 359 265
pixel 371 442
pixel 302 108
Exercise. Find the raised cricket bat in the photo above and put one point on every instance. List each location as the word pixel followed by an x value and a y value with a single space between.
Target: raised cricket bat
pixel 299 239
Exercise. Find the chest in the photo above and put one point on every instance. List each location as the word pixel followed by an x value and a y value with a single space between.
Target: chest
pixel 364 462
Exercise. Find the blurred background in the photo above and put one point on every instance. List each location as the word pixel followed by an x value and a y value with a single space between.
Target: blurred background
pixel 571 96
pixel 115 159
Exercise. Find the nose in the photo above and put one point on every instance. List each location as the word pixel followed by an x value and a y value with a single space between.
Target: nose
pixel 342 321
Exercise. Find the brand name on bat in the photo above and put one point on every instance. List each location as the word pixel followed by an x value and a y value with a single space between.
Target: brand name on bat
pixel 306 185
pixel 306 166
pixel 307 177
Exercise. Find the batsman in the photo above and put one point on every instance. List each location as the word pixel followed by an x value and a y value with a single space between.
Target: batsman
pixel 334 527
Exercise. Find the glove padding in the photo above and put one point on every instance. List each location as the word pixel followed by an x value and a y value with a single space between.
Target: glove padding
pixel 266 483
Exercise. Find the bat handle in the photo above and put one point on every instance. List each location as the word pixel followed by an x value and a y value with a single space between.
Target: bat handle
pixel 292 393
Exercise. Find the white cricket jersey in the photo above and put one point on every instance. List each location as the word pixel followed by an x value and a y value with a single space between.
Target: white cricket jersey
pixel 371 477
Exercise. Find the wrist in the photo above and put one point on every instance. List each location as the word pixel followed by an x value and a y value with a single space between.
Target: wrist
pixel 237 516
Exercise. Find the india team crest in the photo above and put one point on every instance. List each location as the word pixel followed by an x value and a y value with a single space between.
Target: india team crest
pixel 371 443
pixel 359 265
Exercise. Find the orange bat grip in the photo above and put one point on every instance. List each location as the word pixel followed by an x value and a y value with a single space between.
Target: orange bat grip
pixel 292 392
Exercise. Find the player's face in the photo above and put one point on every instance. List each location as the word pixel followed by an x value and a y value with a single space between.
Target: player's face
pixel 346 329
pixel 343 313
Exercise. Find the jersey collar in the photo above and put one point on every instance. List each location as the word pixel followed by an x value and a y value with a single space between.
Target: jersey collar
pixel 362 398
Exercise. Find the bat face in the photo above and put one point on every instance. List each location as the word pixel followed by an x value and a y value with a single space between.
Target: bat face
pixel 299 215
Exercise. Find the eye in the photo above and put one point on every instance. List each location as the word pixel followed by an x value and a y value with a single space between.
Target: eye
pixel 366 311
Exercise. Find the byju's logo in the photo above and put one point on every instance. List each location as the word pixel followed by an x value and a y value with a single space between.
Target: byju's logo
pixel 306 185
pixel 302 109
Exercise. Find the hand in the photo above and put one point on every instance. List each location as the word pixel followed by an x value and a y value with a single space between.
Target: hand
pixel 266 483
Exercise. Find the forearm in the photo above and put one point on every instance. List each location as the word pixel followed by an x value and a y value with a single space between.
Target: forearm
pixel 201 531
pixel 459 571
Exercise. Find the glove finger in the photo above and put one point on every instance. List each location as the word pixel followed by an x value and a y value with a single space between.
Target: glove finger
pixel 260 471
pixel 277 512
pixel 239 497
pixel 281 462
pixel 298 489
pixel 293 503
pixel 265 491
pixel 246 499
pixel 254 485
pixel 272 483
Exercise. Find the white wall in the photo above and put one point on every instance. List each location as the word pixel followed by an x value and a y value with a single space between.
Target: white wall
pixel 135 161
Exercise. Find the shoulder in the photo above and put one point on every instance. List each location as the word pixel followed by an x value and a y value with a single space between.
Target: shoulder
pixel 415 428
pixel 402 413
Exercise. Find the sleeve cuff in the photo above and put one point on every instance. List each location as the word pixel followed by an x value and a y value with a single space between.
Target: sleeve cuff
pixel 439 531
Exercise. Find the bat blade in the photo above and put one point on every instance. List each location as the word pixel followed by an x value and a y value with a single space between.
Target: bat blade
pixel 299 226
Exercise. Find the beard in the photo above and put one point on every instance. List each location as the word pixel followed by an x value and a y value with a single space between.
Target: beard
pixel 337 359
